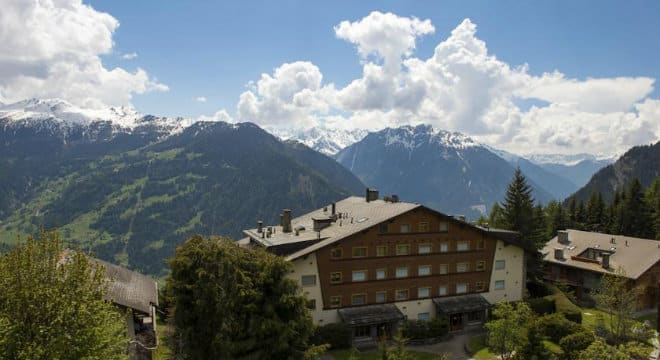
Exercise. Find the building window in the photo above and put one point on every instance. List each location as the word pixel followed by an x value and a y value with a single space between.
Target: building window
pixel 360 251
pixel 381 274
pixel 424 316
pixel 443 269
pixel 442 291
pixel 462 267
pixel 335 301
pixel 335 277
pixel 405 228
pixel 402 294
pixel 423 227
pixel 383 228
pixel 479 286
pixel 403 249
pixel 443 226
pixel 381 250
pixel 311 304
pixel 444 247
pixel 480 244
pixel 336 253
pixel 475 316
pixel 424 248
pixel 499 284
pixel 358 299
pixel 424 270
pixel 423 292
pixel 461 288
pixel 359 275
pixel 402 272
pixel 362 331
pixel 499 264
pixel 481 265
pixel 462 245
pixel 381 296
pixel 308 280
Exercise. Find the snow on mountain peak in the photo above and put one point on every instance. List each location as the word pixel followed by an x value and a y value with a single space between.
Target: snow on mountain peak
pixel 326 140
pixel 413 136
pixel 568 160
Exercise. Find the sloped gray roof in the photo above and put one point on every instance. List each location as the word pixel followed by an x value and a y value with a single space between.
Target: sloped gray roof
pixel 370 314
pixel 635 258
pixel 130 288
pixel 461 304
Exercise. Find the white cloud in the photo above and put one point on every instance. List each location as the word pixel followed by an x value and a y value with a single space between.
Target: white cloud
pixel 220 115
pixel 201 99
pixel 129 56
pixel 461 87
pixel 52 49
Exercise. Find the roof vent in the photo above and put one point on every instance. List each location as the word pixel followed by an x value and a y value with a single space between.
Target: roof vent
pixel 260 226
pixel 559 253
pixel 562 237
pixel 613 241
pixel 371 195
pixel 286 220
pixel 321 223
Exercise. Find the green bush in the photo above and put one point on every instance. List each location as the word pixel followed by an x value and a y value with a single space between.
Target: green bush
pixel 564 305
pixel 422 329
pixel 337 335
pixel 542 306
pixel 539 289
pixel 556 326
pixel 573 344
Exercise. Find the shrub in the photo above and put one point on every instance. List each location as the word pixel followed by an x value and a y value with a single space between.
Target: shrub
pixel 573 344
pixel 564 305
pixel 538 289
pixel 642 331
pixel 556 326
pixel 542 306
pixel 438 327
pixel 422 329
pixel 337 335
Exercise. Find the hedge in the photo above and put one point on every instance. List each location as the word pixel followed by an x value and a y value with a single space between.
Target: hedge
pixel 563 305
pixel 422 329
pixel 556 326
pixel 337 335
pixel 542 306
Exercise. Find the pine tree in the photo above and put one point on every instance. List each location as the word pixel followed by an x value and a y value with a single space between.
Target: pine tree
pixel 518 206
pixel 595 212
pixel 652 198
pixel 557 218
pixel 636 220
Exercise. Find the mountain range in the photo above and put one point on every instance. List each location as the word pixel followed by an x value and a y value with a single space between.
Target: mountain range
pixel 130 187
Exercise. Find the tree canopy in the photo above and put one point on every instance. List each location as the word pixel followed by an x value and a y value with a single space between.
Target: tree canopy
pixel 231 302
pixel 53 307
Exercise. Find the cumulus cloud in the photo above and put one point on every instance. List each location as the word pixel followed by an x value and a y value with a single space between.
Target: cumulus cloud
pixel 129 56
pixel 53 49
pixel 201 99
pixel 221 115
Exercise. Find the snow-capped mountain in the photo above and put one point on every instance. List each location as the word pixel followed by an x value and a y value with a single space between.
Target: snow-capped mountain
pixel 568 160
pixel 325 140
pixel 60 116
pixel 576 168
pixel 446 170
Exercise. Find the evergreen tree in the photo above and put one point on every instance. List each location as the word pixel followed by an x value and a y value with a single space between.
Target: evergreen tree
pixel 557 218
pixel 580 216
pixel 595 212
pixel 652 198
pixel 236 303
pixel 518 206
pixel 496 216
pixel 56 309
pixel 636 215
pixel 572 207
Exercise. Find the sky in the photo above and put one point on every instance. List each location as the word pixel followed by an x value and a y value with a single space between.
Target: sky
pixel 528 77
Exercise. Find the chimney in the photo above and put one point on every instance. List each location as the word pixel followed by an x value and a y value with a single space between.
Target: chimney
pixel 260 226
pixel 334 209
pixel 286 220
pixel 613 241
pixel 559 253
pixel 372 194
pixel 395 198
pixel 562 237
pixel 605 262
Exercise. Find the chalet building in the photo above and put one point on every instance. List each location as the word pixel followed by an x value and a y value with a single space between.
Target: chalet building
pixel 580 258
pixel 372 263
pixel 136 295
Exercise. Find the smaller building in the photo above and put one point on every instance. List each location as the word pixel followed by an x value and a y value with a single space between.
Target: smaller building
pixel 580 258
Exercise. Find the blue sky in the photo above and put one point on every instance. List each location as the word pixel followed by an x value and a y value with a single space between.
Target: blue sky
pixel 213 49
pixel 527 77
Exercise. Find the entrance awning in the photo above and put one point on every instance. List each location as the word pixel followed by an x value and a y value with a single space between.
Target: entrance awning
pixel 370 314
pixel 461 304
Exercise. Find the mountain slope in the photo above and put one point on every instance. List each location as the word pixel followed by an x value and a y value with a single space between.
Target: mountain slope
pixel 448 171
pixel 642 162
pixel 132 194
pixel 325 140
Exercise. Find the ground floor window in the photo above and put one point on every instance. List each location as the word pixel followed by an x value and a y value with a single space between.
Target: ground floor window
pixel 475 316
pixel 362 331
pixel 424 316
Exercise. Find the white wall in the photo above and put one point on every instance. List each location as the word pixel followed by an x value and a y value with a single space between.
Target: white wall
pixel 306 265
pixel 513 274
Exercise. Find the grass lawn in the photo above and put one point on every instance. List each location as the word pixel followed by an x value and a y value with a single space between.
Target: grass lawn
pixel 478 348
pixel 590 316
pixel 375 355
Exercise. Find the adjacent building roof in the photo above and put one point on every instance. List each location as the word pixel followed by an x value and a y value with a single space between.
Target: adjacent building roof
pixel 634 255
pixel 130 288
pixel 355 215
pixel 370 314
pixel 461 304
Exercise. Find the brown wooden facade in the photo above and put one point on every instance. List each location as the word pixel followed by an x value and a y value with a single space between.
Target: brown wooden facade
pixel 427 230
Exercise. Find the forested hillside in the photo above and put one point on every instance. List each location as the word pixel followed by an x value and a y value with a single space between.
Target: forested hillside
pixel 131 198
